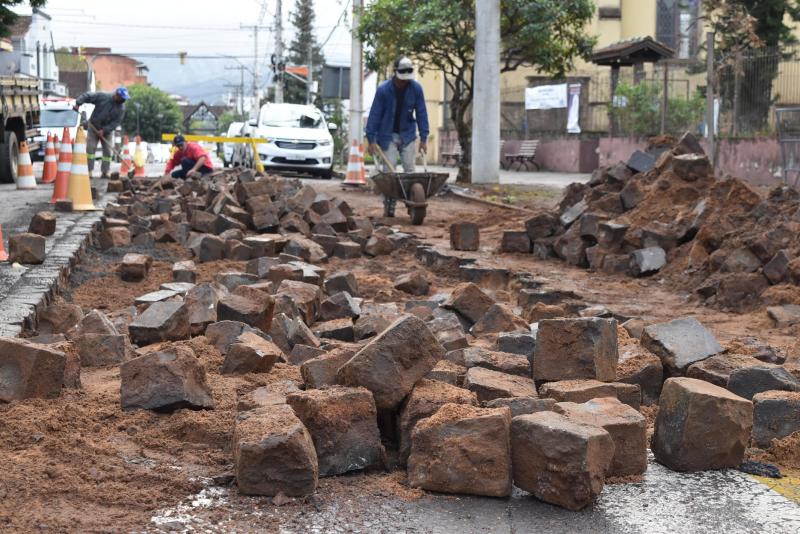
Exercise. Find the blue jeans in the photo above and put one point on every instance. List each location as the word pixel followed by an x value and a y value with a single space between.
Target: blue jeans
pixel 186 166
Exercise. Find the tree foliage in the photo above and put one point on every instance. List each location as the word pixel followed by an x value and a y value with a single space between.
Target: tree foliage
pixel 157 113
pixel 225 120
pixel 8 17
pixel 302 18
pixel 440 35
pixel 641 113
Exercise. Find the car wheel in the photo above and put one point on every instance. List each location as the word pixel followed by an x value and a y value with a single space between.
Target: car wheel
pixel 327 174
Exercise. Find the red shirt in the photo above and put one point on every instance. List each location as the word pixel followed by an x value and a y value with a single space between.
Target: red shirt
pixel 192 151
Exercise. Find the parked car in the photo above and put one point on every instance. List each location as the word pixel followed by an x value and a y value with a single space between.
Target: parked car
pixel 298 139
pixel 228 149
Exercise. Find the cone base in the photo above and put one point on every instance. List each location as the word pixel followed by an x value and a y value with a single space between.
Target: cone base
pixel 84 207
pixel 27 188
pixel 3 256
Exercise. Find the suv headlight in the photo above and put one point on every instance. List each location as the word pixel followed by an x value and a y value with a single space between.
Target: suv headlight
pixel 324 142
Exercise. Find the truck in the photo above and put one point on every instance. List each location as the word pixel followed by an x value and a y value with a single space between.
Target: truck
pixel 19 116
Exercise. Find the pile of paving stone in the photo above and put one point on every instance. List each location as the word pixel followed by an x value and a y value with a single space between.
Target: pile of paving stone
pixel 462 391
pixel 665 207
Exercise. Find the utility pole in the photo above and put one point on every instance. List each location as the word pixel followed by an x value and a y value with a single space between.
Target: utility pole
pixel 486 103
pixel 356 77
pixel 278 53
pixel 241 69
pixel 310 76
pixel 255 86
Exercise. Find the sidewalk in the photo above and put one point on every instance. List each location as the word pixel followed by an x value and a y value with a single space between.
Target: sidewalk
pixel 559 180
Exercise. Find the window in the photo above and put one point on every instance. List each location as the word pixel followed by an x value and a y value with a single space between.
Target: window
pixel 677 27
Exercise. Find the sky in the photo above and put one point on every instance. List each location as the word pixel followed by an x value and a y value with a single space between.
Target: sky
pixel 202 28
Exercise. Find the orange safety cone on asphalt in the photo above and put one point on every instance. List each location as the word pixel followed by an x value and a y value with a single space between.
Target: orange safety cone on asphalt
pixel 79 188
pixel 139 159
pixel 3 253
pixel 63 169
pixel 25 178
pixel 125 168
pixel 355 167
pixel 361 162
pixel 50 162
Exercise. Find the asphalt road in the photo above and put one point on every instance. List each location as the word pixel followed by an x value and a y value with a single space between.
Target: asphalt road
pixel 666 502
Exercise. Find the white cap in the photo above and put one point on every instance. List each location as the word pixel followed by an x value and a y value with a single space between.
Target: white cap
pixel 404 63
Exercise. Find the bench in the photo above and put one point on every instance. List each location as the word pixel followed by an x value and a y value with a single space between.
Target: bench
pixel 453 154
pixel 524 155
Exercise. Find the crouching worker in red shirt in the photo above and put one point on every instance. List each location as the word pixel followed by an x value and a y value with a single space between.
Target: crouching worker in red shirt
pixel 192 159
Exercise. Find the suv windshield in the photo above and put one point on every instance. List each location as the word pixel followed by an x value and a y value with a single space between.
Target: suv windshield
pixel 292 117
pixel 59 118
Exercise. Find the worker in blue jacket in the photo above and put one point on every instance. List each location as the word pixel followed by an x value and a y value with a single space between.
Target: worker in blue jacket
pixel 396 113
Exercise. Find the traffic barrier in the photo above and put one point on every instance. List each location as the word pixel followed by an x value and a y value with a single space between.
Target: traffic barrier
pixel 25 177
pixel 139 159
pixel 64 168
pixel 355 167
pixel 79 188
pixel 125 168
pixel 50 161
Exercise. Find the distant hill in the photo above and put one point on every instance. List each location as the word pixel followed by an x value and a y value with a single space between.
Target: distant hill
pixel 198 79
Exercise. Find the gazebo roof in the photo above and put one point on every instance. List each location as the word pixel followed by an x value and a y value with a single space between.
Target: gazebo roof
pixel 633 51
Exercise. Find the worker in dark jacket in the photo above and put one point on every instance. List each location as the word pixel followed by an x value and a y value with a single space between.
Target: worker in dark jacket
pixel 109 109
pixel 397 111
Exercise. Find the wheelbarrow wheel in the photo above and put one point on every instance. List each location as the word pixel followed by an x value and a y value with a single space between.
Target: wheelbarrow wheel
pixel 417 195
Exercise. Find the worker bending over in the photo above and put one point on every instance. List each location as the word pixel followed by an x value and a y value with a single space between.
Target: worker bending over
pixel 109 109
pixel 192 159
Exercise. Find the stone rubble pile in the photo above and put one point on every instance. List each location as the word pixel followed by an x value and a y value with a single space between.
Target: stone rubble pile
pixel 469 395
pixel 717 237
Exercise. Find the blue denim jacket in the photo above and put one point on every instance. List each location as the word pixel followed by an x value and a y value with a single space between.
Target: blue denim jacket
pixel 381 116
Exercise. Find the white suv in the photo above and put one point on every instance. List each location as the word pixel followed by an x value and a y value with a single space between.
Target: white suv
pixel 298 139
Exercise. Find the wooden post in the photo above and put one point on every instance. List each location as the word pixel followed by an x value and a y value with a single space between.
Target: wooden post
pixel 665 99
pixel 638 73
pixel 710 89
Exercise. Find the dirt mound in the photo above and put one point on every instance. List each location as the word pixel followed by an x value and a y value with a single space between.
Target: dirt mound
pixel 717 237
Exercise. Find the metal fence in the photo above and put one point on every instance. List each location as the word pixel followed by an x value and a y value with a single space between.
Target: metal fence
pixel 670 98
pixel 751 85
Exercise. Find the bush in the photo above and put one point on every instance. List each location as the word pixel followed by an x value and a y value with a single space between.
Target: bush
pixel 641 113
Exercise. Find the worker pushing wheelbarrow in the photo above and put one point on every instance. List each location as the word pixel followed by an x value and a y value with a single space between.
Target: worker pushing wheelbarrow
pixel 397 111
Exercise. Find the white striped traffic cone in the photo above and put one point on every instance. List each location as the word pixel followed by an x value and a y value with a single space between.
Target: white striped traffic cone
pixel 79 189
pixel 50 161
pixel 25 177
pixel 355 167
pixel 125 168
pixel 64 168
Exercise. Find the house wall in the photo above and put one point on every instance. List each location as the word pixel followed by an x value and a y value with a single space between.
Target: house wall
pixel 113 71
pixel 757 161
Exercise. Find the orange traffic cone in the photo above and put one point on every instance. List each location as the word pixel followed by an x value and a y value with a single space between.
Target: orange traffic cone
pixel 63 169
pixel 355 167
pixel 139 159
pixel 25 178
pixel 79 188
pixel 3 253
pixel 125 168
pixel 50 162
pixel 363 174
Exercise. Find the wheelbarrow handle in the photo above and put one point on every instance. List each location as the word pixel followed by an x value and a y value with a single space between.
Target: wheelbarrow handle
pixel 384 158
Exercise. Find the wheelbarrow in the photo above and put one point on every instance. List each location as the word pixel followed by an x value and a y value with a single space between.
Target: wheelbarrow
pixel 412 188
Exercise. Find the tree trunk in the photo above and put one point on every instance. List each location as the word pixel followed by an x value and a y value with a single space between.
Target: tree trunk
pixel 459 105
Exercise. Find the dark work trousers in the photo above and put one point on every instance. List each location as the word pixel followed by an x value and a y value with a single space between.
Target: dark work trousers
pixel 186 166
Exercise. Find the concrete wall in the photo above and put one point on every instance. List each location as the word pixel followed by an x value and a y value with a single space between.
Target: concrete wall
pixel 758 161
